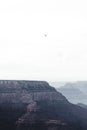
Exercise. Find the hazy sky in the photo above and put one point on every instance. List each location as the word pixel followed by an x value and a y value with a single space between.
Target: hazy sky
pixel 25 52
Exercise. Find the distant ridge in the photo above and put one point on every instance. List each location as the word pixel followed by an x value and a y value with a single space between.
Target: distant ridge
pixel 74 92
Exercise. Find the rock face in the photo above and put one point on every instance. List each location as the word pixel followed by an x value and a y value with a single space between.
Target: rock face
pixel 38 118
pixel 27 91
pixel 19 97
pixel 35 105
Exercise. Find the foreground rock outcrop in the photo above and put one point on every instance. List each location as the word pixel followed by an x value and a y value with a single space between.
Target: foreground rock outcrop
pixel 27 91
pixel 35 105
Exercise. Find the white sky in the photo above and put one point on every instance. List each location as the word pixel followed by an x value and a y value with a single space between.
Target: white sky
pixel 25 53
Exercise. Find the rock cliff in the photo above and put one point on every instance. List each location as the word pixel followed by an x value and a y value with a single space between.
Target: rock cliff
pixel 27 91
pixel 35 105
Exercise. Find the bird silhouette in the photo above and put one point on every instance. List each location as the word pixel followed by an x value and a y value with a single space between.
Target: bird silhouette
pixel 45 35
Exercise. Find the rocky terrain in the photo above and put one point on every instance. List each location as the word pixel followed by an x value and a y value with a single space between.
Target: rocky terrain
pixel 35 105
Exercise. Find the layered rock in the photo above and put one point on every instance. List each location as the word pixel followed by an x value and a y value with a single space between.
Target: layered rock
pixel 37 119
pixel 20 97
pixel 27 91
pixel 35 105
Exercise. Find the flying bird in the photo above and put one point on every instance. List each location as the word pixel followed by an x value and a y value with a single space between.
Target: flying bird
pixel 45 35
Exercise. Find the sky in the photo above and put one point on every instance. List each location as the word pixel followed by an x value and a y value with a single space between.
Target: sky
pixel 43 40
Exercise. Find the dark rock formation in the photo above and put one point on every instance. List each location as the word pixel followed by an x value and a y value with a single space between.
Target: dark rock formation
pixel 19 97
pixel 27 91
pixel 35 105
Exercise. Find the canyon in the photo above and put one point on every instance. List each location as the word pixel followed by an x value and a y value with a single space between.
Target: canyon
pixel 35 105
